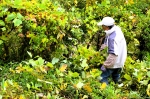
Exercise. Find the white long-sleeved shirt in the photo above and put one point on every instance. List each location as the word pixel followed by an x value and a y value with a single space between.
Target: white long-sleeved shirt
pixel 116 43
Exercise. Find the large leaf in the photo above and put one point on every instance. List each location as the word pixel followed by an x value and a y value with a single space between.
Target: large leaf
pixel 11 17
pixel 4 37
pixel 1 42
pixel 2 23
pixel 148 12
pixel 1 97
pixel 17 22
pixel 42 6
pixel 49 65
pixel 128 77
pixel 55 60
pixel 79 85
pixel 84 64
pixel 40 61
pixel 3 29
pixel 87 87
pixel 103 86
pixel 144 82
pixel 63 67
pixel 18 3
pixel 148 73
pixel 32 62
pixel 73 74
pixel 28 86
pixel 44 40
pixel 19 16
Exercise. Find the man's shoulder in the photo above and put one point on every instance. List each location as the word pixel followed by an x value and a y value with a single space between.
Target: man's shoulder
pixel 112 35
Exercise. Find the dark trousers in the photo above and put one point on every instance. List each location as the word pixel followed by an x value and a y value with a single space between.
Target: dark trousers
pixel 115 73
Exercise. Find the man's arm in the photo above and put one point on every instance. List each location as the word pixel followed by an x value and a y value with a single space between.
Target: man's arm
pixel 110 61
pixel 103 46
pixel 112 51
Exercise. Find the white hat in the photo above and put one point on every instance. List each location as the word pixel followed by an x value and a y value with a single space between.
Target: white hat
pixel 107 21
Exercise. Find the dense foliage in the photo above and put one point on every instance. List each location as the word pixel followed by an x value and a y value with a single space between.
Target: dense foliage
pixel 49 49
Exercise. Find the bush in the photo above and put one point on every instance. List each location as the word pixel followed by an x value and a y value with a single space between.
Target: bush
pixel 55 46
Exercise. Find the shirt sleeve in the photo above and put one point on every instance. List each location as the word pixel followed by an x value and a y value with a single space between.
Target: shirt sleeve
pixel 112 47
pixel 110 61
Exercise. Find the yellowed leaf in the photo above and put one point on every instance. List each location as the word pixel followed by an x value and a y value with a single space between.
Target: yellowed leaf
pixel 28 35
pixel 87 87
pixel 42 69
pixel 148 90
pixel 129 2
pixel 11 70
pixel 75 1
pixel 21 97
pixel 63 67
pixel 85 97
pixel 44 40
pixel 103 86
pixel 60 36
pixel 131 17
pixel 63 86
pixel 19 69
pixel 133 20
pixel 5 84
pixel 94 70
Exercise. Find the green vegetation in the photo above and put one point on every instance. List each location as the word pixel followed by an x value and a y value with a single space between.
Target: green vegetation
pixel 48 49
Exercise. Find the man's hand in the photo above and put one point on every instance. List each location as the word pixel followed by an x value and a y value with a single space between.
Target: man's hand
pixel 102 47
pixel 103 68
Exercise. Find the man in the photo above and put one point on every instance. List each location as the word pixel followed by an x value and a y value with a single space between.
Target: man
pixel 117 50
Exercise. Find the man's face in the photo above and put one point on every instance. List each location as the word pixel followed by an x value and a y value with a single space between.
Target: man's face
pixel 105 28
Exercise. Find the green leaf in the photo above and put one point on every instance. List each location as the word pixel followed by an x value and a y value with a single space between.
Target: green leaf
pixel 144 82
pixel 38 85
pixel 42 6
pixel 83 74
pixel 79 85
pixel 32 62
pixel 49 65
pixel 28 86
pixel 3 29
pixel 2 23
pixel 148 73
pixel 17 22
pixel 148 12
pixel 17 2
pixel 49 96
pixel 75 74
pixel 84 64
pixel 11 17
pixel 55 60
pixel 29 54
pixel 1 42
pixel 40 61
pixel 4 37
pixel 1 97
pixel 44 40
pixel 19 16
pixel 135 73
pixel 10 82
pixel 128 77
